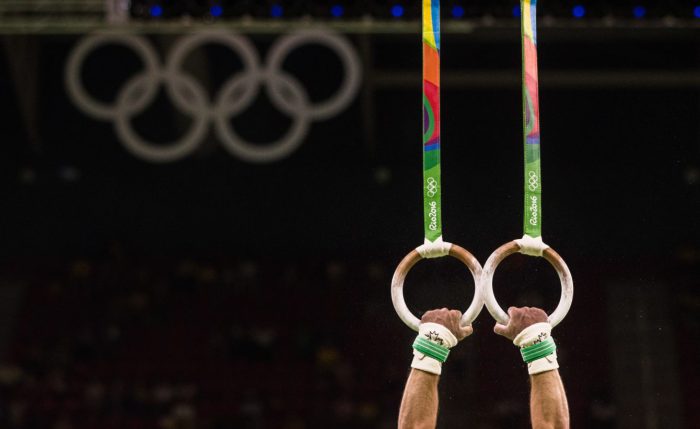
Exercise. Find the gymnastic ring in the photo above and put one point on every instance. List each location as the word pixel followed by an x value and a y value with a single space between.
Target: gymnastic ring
pixel 567 283
pixel 405 266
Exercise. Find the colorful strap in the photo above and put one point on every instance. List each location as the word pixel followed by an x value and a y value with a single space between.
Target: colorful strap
pixel 532 219
pixel 432 204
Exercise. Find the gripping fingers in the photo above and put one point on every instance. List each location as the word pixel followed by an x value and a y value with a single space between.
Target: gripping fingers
pixel 466 330
pixel 500 329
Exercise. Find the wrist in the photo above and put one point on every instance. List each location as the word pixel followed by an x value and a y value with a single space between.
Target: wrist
pixel 432 347
pixel 426 363
pixel 537 348
pixel 544 364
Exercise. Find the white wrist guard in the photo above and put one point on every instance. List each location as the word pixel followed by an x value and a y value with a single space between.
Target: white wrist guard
pixel 537 348
pixel 434 342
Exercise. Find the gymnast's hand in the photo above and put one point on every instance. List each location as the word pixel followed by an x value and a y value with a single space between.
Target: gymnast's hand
pixel 520 318
pixel 450 319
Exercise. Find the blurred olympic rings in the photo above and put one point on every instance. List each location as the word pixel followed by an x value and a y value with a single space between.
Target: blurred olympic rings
pixel 237 94
pixel 431 187
pixel 533 181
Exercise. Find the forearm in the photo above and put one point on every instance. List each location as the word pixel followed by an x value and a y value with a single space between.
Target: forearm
pixel 419 405
pixel 548 406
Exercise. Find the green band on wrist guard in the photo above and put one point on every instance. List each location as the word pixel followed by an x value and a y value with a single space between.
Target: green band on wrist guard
pixel 431 349
pixel 539 350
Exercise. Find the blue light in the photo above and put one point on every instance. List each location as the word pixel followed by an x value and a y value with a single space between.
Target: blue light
pixel 397 11
pixel 578 11
pixel 696 11
pixel 337 10
pixel 156 11
pixel 639 12
pixel 516 11
pixel 276 11
pixel 216 11
pixel 458 11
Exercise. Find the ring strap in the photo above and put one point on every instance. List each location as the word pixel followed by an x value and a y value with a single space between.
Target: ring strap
pixel 432 201
pixel 532 215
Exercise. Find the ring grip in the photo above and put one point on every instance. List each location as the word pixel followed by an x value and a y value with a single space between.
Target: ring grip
pixel 489 298
pixel 410 260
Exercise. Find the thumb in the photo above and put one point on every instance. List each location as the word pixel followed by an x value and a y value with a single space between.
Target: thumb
pixel 465 331
pixel 500 329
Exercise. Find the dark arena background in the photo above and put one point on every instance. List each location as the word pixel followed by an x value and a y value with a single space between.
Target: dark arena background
pixel 203 204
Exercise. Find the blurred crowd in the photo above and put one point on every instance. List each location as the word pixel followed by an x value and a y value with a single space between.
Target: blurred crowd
pixel 187 344
pixel 228 343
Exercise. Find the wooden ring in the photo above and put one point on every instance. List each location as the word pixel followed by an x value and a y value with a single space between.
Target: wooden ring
pixel 405 266
pixel 567 283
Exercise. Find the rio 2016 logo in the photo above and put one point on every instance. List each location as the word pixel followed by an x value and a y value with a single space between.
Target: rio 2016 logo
pixel 433 216
pixel 533 210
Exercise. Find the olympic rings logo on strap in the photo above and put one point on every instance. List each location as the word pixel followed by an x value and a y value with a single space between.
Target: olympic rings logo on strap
pixel 533 181
pixel 237 94
pixel 431 187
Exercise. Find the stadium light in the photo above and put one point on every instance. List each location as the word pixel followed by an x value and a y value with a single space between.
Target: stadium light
pixel 337 10
pixel 639 12
pixel 156 11
pixel 276 11
pixel 216 11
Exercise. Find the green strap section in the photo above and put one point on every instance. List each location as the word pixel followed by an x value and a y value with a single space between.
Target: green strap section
pixel 539 350
pixel 532 215
pixel 431 349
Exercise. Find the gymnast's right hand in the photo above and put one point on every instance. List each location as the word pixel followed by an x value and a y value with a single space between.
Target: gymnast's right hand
pixel 450 319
